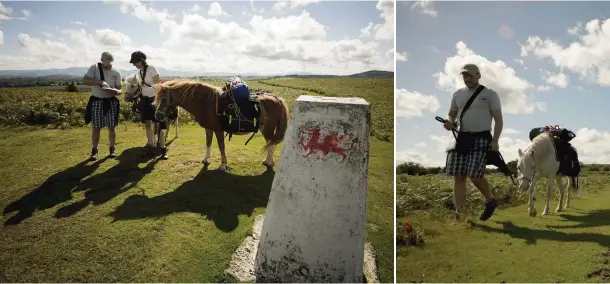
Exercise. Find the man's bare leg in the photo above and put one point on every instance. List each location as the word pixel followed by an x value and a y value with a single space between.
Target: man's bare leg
pixel 95 140
pixel 483 186
pixel 490 201
pixel 112 139
pixel 459 194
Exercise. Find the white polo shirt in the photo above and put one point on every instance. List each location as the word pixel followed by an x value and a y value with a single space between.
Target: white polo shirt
pixel 151 71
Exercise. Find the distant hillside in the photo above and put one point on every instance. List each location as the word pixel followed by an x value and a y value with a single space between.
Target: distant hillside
pixel 367 74
pixel 80 71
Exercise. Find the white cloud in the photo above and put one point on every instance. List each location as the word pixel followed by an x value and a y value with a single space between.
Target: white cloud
pixel 254 8
pixel 284 5
pixel 216 10
pixel 411 104
pixel 79 23
pixel 576 29
pixel 510 131
pixel 559 79
pixel 417 156
pixel 513 90
pixel 7 13
pixel 506 32
pixel 367 31
pixel 592 146
pixel 266 45
pixel 425 7
pixel 112 38
pixel 544 88
pixel 402 56
pixel 589 57
pixel 196 8
pixel 1 38
pixel 385 31
pixel 521 62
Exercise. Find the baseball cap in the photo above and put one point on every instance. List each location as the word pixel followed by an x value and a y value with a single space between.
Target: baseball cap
pixel 470 69
pixel 107 56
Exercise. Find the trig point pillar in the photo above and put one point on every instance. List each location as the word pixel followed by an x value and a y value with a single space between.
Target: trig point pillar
pixel 316 216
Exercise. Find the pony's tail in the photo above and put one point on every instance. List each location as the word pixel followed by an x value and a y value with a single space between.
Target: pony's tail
pixel 280 130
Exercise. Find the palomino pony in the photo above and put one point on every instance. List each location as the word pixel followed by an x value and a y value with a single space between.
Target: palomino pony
pixel 538 161
pixel 133 90
pixel 200 100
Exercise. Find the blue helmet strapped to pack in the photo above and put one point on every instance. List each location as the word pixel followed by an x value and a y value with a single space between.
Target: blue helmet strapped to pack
pixel 238 87
pixel 234 82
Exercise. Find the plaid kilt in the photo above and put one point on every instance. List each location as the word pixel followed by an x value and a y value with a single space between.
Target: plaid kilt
pixel 470 164
pixel 110 119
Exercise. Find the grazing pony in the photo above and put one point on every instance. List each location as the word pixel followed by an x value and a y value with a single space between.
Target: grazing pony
pixel 132 92
pixel 202 101
pixel 540 160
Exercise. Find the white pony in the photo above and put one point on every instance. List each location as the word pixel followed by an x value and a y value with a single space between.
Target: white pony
pixel 539 160
pixel 133 90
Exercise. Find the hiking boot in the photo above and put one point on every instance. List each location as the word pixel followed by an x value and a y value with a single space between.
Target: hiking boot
pixel 112 154
pixel 93 156
pixel 164 153
pixel 490 207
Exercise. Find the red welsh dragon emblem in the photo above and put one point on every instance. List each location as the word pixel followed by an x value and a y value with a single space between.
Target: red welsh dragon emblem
pixel 331 143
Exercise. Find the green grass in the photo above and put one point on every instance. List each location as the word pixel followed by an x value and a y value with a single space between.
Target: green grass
pixel 511 246
pixel 378 92
pixel 81 88
pixel 132 220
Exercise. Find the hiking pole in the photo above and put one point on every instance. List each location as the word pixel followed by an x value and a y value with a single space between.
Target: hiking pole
pixel 442 120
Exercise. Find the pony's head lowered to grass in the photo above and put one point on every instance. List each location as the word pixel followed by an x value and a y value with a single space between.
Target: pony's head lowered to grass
pixel 535 156
pixel 525 168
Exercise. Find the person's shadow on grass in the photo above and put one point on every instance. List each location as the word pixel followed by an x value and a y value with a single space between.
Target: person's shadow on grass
pixel 105 186
pixel 55 190
pixel 218 195
pixel 530 236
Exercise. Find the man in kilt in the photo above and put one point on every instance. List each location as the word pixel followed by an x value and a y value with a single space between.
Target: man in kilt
pixel 103 107
pixel 469 156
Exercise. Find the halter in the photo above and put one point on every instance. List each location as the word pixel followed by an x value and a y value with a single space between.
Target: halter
pixel 133 95
pixel 169 104
pixel 524 178
pixel 166 120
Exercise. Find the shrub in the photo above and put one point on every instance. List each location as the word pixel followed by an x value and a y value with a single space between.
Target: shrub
pixel 71 87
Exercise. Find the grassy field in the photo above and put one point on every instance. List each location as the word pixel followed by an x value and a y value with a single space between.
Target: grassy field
pixel 136 220
pixel 81 88
pixel 570 246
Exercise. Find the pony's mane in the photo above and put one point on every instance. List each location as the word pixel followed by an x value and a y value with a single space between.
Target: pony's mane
pixel 186 87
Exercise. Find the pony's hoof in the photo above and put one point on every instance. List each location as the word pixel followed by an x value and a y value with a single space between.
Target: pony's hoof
pixel 559 210
pixel 223 168
pixel 533 213
pixel 544 213
pixel 205 163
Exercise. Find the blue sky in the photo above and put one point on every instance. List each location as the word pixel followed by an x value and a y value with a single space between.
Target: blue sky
pixel 226 36
pixel 548 61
